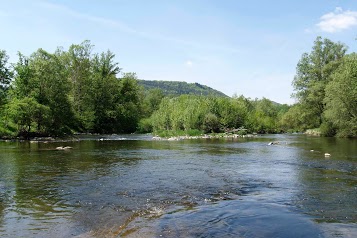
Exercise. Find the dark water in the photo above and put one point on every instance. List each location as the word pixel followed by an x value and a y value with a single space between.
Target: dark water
pixel 131 186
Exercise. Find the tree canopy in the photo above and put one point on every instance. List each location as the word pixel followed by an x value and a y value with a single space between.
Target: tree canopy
pixel 313 73
pixel 325 89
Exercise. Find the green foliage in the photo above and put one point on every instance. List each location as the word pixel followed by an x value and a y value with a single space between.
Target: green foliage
pixel 298 118
pixel 213 114
pixel 41 79
pixel 79 62
pixel 27 113
pixel 265 116
pixel 5 76
pixel 151 100
pixel 77 90
pixel 327 129
pixel 129 103
pixel 341 98
pixel 210 123
pixel 145 125
pixel 103 96
pixel 74 90
pixel 7 127
pixel 326 87
pixel 313 74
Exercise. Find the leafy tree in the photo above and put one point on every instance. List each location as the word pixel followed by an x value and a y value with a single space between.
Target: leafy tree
pixel 161 118
pixel 211 123
pixel 53 89
pixel 24 74
pixel 341 98
pixel 313 74
pixel 43 77
pixel 151 101
pixel 5 76
pixel 78 61
pixel 265 116
pixel 128 103
pixel 297 118
pixel 103 94
pixel 27 112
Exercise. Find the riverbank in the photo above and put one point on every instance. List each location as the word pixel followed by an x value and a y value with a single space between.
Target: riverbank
pixel 205 136
pixel 313 132
pixel 40 139
pixel 168 136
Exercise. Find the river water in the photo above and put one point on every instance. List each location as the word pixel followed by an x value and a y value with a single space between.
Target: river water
pixel 133 186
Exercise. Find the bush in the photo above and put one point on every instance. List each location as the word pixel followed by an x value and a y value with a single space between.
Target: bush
pixel 145 125
pixel 327 129
pixel 211 123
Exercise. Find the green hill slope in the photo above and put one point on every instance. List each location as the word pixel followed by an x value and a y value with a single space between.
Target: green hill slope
pixel 178 88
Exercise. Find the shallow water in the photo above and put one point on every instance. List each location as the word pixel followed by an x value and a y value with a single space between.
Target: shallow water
pixel 132 186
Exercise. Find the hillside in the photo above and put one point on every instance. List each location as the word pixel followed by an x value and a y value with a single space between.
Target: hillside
pixel 179 88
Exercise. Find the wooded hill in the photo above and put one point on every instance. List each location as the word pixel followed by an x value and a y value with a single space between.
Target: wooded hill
pixel 176 88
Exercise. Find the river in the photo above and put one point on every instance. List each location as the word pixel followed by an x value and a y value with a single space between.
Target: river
pixel 133 186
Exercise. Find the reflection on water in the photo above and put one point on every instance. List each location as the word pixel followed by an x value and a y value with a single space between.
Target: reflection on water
pixel 133 186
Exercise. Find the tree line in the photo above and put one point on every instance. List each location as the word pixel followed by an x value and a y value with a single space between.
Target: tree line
pixel 211 114
pixel 77 90
pixel 67 91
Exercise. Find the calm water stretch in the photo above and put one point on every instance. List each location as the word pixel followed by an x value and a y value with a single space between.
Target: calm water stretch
pixel 132 186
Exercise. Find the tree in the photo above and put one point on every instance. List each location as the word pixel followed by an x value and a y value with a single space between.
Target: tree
pixel 27 112
pixel 103 83
pixel 5 76
pixel 211 123
pixel 341 98
pixel 297 118
pixel 128 103
pixel 264 116
pixel 151 101
pixel 78 61
pixel 43 78
pixel 22 85
pixel 313 74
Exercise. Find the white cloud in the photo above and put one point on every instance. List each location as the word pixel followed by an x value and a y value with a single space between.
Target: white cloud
pixel 337 21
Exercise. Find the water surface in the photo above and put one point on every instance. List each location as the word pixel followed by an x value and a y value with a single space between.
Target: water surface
pixel 132 186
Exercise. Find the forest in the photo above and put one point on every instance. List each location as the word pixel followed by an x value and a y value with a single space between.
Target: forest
pixel 79 91
pixel 175 88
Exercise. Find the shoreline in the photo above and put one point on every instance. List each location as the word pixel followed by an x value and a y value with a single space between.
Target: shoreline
pixel 205 136
pixel 50 139
pixel 39 139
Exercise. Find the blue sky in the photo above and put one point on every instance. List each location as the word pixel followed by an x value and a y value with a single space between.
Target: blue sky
pixel 243 47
